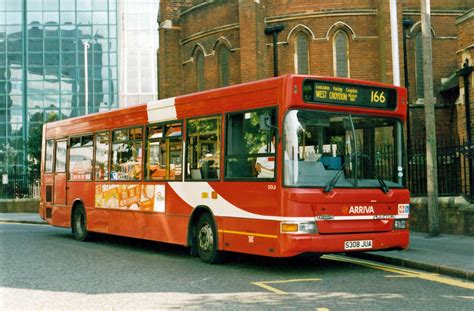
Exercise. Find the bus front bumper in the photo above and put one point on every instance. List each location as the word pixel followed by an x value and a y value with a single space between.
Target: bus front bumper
pixel 293 244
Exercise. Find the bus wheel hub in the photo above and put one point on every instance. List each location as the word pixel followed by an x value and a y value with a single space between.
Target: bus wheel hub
pixel 206 238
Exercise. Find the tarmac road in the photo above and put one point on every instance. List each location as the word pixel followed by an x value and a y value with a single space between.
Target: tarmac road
pixel 45 268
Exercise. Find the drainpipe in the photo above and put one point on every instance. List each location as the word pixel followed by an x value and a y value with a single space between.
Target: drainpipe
pixel 407 23
pixel 274 30
pixel 465 72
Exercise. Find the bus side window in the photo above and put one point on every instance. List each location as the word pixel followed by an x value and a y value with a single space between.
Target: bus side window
pixel 102 143
pixel 203 148
pixel 250 147
pixel 80 158
pixel 126 154
pixel 164 149
pixel 49 159
pixel 61 156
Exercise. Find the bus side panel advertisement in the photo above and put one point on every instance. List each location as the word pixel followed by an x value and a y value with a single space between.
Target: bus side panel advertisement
pixel 146 198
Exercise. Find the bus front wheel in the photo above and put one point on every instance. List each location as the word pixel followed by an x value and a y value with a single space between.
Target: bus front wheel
pixel 79 224
pixel 206 240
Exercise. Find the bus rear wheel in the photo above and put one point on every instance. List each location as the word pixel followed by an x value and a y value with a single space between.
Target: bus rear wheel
pixel 206 240
pixel 79 224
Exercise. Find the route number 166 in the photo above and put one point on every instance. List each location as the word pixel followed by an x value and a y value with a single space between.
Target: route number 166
pixel 377 97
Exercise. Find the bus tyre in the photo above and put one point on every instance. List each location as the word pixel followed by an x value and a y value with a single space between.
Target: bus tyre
pixel 79 224
pixel 206 240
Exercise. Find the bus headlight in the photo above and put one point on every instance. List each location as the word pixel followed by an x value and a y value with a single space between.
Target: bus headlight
pixel 400 224
pixel 299 227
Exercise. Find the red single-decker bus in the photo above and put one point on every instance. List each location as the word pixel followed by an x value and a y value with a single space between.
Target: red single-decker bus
pixel 279 167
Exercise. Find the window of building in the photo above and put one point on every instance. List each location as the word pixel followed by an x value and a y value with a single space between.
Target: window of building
pixel 341 54
pixel 41 52
pixel 80 157
pixel 203 148
pixel 164 152
pixel 61 156
pixel 250 145
pixel 102 144
pixel 200 70
pixel 419 65
pixel 302 54
pixel 126 157
pixel 223 62
pixel 48 168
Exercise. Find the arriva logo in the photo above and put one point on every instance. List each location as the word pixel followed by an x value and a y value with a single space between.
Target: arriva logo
pixel 361 210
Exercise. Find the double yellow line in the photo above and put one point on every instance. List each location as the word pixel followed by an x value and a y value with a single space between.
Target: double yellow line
pixel 433 277
pixel 276 290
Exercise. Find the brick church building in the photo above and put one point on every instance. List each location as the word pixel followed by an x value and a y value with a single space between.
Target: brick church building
pixel 215 43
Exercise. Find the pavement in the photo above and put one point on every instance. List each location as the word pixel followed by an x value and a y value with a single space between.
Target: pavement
pixel 451 255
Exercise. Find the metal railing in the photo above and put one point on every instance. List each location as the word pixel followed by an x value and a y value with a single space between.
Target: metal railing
pixel 455 159
pixel 20 188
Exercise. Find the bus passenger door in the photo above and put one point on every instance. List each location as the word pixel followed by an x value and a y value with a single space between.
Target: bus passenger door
pixel 47 180
pixel 59 193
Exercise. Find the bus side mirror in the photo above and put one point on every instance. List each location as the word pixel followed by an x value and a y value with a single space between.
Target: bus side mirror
pixel 265 122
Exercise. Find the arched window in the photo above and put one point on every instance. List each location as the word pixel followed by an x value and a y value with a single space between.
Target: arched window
pixel 301 54
pixel 419 65
pixel 223 63
pixel 341 54
pixel 200 70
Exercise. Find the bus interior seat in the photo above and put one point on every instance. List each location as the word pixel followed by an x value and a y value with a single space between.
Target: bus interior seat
pixel 208 171
pixel 332 163
pixel 196 174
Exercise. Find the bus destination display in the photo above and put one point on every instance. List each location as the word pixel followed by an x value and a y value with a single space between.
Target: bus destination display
pixel 349 94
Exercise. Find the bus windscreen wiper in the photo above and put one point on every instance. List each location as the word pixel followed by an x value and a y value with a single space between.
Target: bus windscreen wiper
pixel 330 185
pixel 382 183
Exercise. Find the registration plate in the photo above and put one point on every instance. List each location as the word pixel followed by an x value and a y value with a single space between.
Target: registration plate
pixel 361 244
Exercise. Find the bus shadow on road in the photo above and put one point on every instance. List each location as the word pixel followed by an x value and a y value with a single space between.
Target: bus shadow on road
pixel 304 262
pixel 139 245
pixel 308 262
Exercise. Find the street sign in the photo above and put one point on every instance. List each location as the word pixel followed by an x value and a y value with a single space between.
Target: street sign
pixel 5 179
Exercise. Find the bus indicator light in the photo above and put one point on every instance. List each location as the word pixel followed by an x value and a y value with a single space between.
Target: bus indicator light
pixel 289 227
pixel 303 227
